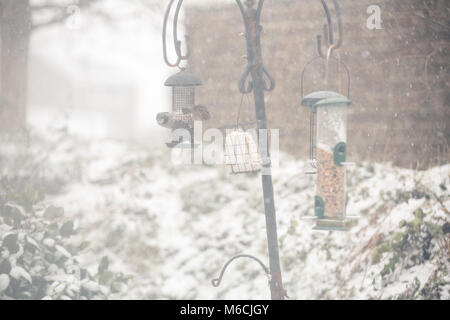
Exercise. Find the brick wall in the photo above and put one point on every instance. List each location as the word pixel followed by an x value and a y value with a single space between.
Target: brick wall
pixel 400 74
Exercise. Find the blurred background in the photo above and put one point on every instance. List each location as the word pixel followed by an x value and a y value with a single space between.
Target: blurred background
pixel 98 65
pixel 94 64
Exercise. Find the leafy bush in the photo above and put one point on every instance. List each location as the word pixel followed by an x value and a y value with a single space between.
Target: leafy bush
pixel 38 260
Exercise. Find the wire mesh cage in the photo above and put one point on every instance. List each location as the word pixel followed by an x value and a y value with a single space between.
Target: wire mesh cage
pixel 184 111
pixel 241 152
pixel 182 106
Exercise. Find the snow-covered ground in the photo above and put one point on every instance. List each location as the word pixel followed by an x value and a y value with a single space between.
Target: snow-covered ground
pixel 173 227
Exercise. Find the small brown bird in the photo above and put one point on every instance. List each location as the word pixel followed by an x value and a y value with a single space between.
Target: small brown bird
pixel 164 119
pixel 201 113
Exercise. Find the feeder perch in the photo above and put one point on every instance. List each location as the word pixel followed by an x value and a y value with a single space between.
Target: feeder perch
pixel 241 153
pixel 329 149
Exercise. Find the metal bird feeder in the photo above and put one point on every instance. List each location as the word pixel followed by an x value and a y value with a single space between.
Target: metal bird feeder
pixel 328 138
pixel 183 98
pixel 183 103
pixel 183 86
pixel 330 110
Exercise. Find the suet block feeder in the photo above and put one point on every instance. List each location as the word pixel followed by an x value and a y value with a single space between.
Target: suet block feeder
pixel 241 152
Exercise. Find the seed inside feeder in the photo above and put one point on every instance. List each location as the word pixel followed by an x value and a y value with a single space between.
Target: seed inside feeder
pixel 331 184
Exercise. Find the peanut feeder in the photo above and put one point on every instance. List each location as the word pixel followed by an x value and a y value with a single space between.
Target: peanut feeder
pixel 183 86
pixel 330 149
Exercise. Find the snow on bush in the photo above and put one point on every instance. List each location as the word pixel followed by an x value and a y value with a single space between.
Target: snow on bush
pixel 39 258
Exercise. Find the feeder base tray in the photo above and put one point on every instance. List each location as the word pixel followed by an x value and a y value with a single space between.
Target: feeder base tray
pixel 331 225
pixel 245 172
pixel 176 144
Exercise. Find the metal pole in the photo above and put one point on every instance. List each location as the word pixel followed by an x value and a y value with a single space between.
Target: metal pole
pixel 253 34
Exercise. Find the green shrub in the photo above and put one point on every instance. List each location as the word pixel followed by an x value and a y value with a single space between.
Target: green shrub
pixel 38 260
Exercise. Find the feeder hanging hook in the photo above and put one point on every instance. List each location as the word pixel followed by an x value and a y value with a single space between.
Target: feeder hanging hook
pixel 216 282
pixel 328 37
pixel 177 43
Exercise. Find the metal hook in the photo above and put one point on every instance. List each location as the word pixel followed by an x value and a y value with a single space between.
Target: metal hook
pixel 329 37
pixel 175 34
pixel 328 30
pixel 319 45
pixel 243 88
pixel 216 282
pixel 271 85
pixel 246 86
pixel 334 46
pixel 177 43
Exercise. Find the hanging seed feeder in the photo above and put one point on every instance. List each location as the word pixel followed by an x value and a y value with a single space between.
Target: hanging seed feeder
pixel 330 110
pixel 184 111
pixel 241 152
pixel 183 105
pixel 328 135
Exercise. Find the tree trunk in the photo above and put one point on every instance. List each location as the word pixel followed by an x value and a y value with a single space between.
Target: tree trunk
pixel 15 31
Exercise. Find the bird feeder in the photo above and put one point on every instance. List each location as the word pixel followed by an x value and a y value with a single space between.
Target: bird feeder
pixel 241 152
pixel 330 150
pixel 183 102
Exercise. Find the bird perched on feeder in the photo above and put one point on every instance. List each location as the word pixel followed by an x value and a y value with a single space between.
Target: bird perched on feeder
pixel 199 113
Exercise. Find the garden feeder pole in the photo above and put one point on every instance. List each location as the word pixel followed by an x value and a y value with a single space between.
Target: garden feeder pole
pixel 258 85
pixel 257 79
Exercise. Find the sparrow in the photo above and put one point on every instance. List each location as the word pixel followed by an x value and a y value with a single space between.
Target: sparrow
pixel 200 113
pixel 164 119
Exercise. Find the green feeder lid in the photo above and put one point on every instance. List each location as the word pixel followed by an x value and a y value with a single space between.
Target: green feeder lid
pixel 312 98
pixel 183 79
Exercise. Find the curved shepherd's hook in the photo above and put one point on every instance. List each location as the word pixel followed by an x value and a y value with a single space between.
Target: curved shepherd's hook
pixel 340 30
pixel 177 43
pixel 328 31
pixel 216 282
